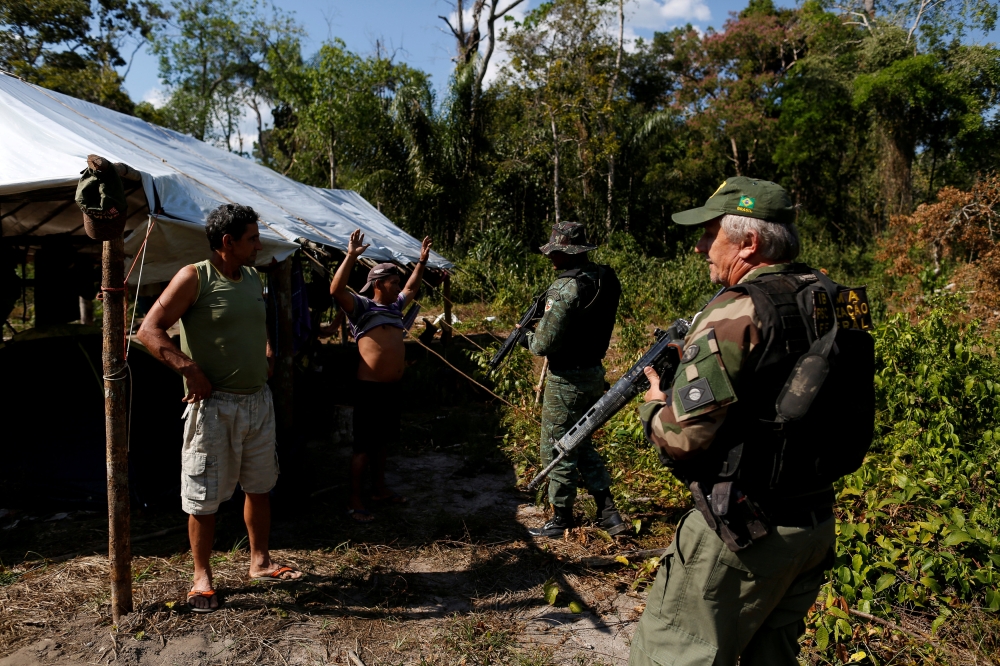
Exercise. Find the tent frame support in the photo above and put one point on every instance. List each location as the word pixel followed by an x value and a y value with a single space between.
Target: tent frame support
pixel 117 379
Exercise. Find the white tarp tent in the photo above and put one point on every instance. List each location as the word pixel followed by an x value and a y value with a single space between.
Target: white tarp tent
pixel 45 138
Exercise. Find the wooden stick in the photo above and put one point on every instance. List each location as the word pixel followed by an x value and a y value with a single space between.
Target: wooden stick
pixel 607 560
pixel 355 659
pixel 915 635
pixel 541 381
pixel 116 389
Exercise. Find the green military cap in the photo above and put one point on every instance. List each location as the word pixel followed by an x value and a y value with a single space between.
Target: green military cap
pixel 743 196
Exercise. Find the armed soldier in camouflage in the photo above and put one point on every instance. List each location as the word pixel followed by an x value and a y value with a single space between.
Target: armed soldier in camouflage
pixel 750 427
pixel 574 333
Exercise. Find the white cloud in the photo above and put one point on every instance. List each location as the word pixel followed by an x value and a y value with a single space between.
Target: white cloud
pixel 662 14
pixel 156 96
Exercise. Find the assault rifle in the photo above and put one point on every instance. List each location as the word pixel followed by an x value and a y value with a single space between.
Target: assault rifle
pixel 664 356
pixel 527 322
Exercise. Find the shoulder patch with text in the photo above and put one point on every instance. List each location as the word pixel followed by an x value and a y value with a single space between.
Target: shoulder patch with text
pixel 851 306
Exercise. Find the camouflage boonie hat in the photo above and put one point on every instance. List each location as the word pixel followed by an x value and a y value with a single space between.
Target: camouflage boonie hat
pixel 743 196
pixel 568 237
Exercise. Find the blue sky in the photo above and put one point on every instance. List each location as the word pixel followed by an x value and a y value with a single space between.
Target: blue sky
pixel 421 39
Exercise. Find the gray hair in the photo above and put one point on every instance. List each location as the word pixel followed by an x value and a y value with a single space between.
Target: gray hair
pixel 778 242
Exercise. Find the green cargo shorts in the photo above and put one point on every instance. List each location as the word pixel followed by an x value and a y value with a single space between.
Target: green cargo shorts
pixel 711 606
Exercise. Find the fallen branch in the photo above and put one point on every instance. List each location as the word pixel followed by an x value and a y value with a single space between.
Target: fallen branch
pixel 608 560
pixel 915 635
pixel 355 659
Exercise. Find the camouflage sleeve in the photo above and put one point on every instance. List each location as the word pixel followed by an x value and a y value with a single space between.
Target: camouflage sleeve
pixel 551 329
pixel 702 389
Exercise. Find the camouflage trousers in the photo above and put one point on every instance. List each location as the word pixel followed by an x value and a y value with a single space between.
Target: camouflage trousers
pixel 567 396
pixel 710 606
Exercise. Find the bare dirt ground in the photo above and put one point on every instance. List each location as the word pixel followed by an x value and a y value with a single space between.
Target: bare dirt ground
pixel 450 578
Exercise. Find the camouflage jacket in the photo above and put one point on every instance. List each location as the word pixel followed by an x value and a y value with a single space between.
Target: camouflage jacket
pixel 562 298
pixel 702 390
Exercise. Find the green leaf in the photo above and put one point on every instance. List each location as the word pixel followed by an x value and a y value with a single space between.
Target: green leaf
pixel 550 591
pixel 993 600
pixel 931 584
pixel 884 581
pixel 576 607
pixel 836 612
pixel 822 637
pixel 956 537
pixel 637 524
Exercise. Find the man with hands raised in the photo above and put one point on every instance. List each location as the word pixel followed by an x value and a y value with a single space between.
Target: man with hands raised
pixel 378 327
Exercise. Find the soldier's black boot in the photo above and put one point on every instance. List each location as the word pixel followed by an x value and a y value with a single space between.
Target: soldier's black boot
pixel 611 520
pixel 557 525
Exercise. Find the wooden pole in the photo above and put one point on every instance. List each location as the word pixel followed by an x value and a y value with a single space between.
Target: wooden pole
pixel 541 380
pixel 281 382
pixel 446 326
pixel 116 387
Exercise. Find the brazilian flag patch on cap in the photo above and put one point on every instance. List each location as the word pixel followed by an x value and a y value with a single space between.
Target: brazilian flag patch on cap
pixel 746 204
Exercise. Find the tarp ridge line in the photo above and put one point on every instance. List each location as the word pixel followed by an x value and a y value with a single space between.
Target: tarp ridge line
pixel 259 193
pixel 162 159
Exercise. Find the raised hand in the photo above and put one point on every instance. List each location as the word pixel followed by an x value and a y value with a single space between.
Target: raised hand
pixel 356 246
pixel 425 248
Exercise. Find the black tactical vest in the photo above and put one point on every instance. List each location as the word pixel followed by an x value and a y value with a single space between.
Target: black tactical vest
pixel 588 331
pixel 773 461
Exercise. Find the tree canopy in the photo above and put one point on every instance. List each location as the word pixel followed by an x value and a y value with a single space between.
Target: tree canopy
pixel 863 111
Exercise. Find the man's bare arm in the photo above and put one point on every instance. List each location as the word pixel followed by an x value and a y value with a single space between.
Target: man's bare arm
pixel 413 284
pixel 175 300
pixel 338 287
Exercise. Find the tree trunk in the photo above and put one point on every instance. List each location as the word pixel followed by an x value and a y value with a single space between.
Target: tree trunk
pixel 116 376
pixel 611 192
pixel 555 166
pixel 736 156
pixel 333 164
pixel 86 311
pixel 896 175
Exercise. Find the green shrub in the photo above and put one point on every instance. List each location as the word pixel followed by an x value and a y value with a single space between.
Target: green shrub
pixel 919 521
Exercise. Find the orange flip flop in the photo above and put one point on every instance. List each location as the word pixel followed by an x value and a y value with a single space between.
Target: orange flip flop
pixel 204 594
pixel 275 576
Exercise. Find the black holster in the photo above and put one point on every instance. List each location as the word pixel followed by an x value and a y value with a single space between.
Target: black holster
pixel 731 514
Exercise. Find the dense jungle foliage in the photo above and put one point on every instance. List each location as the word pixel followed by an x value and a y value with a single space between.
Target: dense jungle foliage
pixel 878 117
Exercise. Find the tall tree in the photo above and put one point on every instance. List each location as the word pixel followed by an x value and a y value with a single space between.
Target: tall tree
pixel 214 62
pixel 563 61
pixel 78 47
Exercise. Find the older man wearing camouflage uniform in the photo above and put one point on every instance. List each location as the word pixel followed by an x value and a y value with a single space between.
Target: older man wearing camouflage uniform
pixel 748 562
pixel 574 333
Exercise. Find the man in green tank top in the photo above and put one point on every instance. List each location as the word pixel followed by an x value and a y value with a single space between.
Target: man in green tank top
pixel 225 359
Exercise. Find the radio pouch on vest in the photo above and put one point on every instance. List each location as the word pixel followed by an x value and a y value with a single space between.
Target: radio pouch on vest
pixel 811 370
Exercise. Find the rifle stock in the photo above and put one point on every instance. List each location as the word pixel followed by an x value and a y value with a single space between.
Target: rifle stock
pixel 664 356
